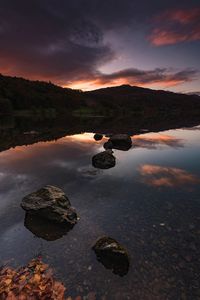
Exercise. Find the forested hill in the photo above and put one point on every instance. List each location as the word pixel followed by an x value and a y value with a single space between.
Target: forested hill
pixel 18 94
pixel 128 97
pixel 21 94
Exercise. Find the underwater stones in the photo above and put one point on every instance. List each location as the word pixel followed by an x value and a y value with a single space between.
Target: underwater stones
pixel 112 255
pixel 50 202
pixel 104 160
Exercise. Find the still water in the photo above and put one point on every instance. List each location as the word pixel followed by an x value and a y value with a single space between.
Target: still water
pixel 149 202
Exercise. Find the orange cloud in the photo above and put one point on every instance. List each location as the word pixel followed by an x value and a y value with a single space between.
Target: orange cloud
pixel 161 37
pixel 150 141
pixel 176 26
pixel 159 176
pixel 157 78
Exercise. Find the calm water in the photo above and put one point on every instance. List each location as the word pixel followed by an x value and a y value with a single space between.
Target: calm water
pixel 149 202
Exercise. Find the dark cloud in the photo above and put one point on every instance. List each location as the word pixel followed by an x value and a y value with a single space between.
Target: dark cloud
pixel 64 41
pixel 135 76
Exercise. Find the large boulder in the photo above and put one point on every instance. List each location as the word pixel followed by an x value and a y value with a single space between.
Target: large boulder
pixel 104 160
pixel 50 202
pixel 119 142
pixel 112 255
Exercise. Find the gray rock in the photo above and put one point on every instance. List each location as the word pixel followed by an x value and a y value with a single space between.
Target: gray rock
pixel 104 160
pixel 120 142
pixel 112 255
pixel 50 202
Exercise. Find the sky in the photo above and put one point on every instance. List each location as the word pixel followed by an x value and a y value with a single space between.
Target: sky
pixel 89 44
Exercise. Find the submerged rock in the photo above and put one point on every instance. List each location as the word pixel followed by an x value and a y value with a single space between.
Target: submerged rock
pixel 98 136
pixel 45 229
pixel 120 142
pixel 112 255
pixel 104 160
pixel 50 202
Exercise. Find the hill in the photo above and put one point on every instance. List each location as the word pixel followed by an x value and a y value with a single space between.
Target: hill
pixel 21 94
pixel 128 98
pixel 18 94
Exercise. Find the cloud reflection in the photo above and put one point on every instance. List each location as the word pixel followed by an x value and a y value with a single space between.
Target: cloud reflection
pixel 159 176
pixel 152 141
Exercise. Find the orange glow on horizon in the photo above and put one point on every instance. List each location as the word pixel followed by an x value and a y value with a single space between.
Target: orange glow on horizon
pixel 97 84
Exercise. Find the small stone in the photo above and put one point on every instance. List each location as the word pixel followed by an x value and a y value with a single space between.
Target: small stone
pixel 121 142
pixel 112 255
pixel 104 160
pixel 98 136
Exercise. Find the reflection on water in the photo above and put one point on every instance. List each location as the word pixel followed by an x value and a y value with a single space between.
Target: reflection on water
pixel 166 176
pixel 153 141
pixel 45 229
pixel 160 227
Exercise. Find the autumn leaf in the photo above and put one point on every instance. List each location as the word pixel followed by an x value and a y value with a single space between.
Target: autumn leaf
pixel 32 282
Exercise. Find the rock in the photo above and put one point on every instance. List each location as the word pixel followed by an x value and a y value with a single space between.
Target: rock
pixel 121 141
pixel 108 145
pixel 112 255
pixel 104 160
pixel 98 136
pixel 45 229
pixel 51 203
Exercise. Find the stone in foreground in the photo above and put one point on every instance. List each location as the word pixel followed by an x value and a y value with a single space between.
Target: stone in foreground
pixel 120 142
pixel 104 160
pixel 50 202
pixel 112 255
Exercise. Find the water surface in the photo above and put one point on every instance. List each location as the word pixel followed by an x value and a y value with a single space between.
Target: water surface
pixel 149 202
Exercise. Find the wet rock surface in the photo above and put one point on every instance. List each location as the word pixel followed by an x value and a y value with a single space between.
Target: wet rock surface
pixel 119 141
pixel 112 255
pixel 104 160
pixel 51 203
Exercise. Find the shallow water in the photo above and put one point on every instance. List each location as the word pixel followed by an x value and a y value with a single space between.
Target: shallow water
pixel 149 202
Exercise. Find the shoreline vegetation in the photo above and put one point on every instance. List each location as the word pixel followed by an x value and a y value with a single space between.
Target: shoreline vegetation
pixel 21 97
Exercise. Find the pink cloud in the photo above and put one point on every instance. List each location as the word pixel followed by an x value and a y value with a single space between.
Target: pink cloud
pixel 176 26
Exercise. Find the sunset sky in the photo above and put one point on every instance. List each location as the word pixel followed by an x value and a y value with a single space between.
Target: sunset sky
pixel 88 44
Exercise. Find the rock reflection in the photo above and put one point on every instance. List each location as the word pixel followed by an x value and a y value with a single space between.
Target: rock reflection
pixel 45 229
pixel 159 176
pixel 118 265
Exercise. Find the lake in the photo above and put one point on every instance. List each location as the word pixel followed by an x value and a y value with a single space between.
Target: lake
pixel 149 202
